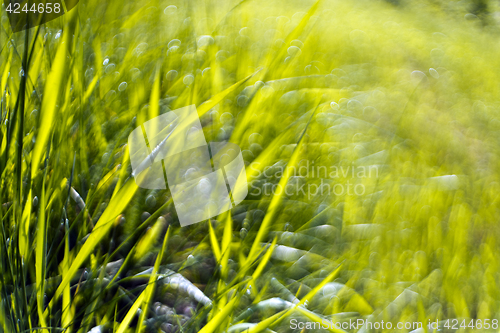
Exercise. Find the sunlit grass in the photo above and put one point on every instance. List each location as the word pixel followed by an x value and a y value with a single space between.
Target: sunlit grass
pixel 408 92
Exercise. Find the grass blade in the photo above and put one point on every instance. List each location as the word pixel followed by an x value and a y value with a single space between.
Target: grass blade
pixel 115 207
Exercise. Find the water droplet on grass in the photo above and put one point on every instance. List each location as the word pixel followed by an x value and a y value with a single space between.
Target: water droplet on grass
pixel 171 75
pixel 205 40
pixel 190 174
pixel 221 56
pixel 470 17
pixel 255 138
pixel 214 114
pixel 205 71
pixel 122 86
pixel 297 42
pixel 310 69
pixel 290 98
pixel 256 149
pixel 110 68
pixel 267 91
pixel 145 216
pixel 89 73
pixel 110 95
pixel 243 233
pixel 172 50
pixel 222 135
pixel 258 215
pixel 226 118
pixel 174 42
pixel 204 186
pixel 151 201
pixel 354 106
pixel 242 101
pixel 188 79
pixel 247 155
pixel 278 43
pixel 170 10
pixel 434 73
pixel 417 76
pixel 294 51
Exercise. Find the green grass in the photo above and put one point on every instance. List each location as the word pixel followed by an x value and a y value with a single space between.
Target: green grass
pixel 409 89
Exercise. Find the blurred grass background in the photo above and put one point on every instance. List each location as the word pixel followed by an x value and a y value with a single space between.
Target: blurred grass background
pixel 408 88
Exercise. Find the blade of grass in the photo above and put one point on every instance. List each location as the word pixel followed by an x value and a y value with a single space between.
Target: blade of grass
pixel 41 248
pixel 216 99
pixel 217 320
pixel 131 313
pixel 213 241
pixel 265 259
pixel 152 283
pixel 49 102
pixel 115 207
pixel 278 196
pixel 278 317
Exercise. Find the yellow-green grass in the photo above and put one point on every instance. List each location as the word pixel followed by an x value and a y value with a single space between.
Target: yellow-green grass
pixel 405 94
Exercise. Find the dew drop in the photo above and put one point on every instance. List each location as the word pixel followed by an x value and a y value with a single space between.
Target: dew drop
pixel 122 86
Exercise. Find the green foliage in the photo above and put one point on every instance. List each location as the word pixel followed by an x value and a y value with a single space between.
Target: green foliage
pixel 383 120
